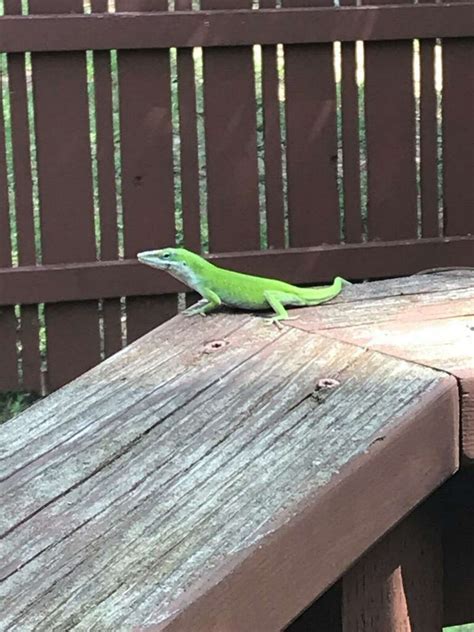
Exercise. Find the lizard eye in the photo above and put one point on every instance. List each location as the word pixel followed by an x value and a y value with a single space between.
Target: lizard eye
pixel 166 255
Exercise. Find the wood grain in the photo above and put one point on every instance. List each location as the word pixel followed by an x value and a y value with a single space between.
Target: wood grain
pixel 433 326
pixel 193 458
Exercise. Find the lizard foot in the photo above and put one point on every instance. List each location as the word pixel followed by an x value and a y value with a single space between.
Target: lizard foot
pixel 193 313
pixel 278 322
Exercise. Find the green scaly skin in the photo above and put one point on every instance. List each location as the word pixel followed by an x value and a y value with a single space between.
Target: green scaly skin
pixel 218 286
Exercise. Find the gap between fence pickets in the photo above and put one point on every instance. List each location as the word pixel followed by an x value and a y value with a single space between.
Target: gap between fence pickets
pixel 464 380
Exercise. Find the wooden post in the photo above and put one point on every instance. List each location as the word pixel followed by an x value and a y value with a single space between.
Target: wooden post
pixel 397 585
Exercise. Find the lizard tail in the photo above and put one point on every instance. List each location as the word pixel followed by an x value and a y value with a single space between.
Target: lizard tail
pixel 316 295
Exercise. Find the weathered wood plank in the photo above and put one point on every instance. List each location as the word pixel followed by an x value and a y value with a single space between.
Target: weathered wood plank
pixel 357 308
pixel 444 343
pixel 126 378
pixel 428 319
pixel 198 454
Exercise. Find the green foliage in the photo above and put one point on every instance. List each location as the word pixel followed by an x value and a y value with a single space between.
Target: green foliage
pixel 12 404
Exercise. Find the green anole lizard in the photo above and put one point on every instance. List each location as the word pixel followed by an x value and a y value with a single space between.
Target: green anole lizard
pixel 220 286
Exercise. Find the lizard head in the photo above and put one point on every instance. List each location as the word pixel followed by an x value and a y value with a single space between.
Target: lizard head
pixel 174 260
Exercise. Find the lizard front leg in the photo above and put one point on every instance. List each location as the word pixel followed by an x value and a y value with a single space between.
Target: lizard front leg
pixel 210 302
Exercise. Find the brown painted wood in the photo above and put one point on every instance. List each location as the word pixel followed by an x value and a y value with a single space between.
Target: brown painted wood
pixel 458 139
pixel 275 210
pixel 353 228
pixel 111 310
pixel 209 28
pixel 428 142
pixel 8 365
pixel 147 164
pixel 190 196
pixel 313 204
pixel 108 279
pixel 64 171
pixel 398 585
pixel 390 133
pixel 212 476
pixel 231 143
pixel 29 323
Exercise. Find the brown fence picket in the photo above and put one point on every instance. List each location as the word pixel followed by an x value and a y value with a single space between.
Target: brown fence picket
pixel 275 208
pixel 65 190
pixel 313 201
pixel 29 323
pixel 458 138
pixel 231 143
pixel 390 131
pixel 147 164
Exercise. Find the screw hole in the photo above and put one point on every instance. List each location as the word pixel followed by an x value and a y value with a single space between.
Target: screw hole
pixel 326 383
pixel 215 345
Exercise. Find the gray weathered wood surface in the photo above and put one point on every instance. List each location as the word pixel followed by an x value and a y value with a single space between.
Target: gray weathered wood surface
pixel 428 319
pixel 202 479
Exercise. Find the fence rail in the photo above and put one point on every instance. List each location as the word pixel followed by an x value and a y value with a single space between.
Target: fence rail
pixel 302 142
pixel 108 279
pixel 240 27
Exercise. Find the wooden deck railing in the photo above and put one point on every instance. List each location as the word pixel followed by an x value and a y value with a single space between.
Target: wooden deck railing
pixel 221 475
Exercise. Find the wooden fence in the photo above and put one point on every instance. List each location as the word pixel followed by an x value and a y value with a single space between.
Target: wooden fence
pixel 299 141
